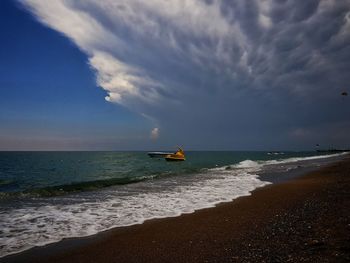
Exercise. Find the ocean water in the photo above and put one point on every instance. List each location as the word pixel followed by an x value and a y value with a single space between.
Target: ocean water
pixel 48 196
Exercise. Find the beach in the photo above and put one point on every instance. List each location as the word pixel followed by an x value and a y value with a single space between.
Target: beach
pixel 174 131
pixel 306 219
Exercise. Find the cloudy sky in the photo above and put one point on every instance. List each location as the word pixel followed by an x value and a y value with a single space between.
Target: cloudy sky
pixel 204 74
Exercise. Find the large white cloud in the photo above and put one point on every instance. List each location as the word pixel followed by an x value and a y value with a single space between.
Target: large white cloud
pixel 206 59
pixel 118 36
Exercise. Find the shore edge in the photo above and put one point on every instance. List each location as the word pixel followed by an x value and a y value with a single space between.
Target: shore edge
pixel 304 219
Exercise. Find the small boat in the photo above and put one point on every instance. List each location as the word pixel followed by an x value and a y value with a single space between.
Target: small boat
pixel 177 156
pixel 158 154
pixel 275 153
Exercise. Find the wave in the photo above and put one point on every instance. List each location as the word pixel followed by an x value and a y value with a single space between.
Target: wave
pixel 83 215
pixel 50 220
pixel 74 187
pixel 5 182
pixel 260 163
pixel 77 187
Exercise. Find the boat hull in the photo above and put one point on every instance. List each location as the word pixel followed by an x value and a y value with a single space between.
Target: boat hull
pixel 158 154
pixel 174 159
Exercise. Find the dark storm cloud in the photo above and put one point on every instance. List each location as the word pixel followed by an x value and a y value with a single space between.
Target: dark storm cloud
pixel 226 72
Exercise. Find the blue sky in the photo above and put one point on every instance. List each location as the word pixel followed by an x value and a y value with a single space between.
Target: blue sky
pixel 141 75
pixel 49 98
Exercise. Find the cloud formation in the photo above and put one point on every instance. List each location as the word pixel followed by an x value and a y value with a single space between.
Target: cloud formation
pixel 228 63
pixel 155 133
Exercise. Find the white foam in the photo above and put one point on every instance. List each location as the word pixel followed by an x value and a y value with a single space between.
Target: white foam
pixel 308 158
pixel 247 164
pixel 30 226
pixel 50 220
pixel 259 164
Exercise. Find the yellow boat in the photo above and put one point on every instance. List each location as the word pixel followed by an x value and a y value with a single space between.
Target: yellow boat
pixel 178 156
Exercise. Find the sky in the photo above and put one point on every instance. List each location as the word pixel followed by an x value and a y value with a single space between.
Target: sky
pixel 150 75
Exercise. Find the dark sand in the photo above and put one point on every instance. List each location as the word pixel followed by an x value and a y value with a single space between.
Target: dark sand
pixel 303 220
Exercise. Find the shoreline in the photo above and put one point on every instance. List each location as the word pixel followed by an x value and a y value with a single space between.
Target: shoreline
pixel 221 233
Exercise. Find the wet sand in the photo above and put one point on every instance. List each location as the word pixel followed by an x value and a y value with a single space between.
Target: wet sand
pixel 306 219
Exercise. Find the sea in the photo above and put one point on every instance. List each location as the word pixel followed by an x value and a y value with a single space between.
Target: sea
pixel 48 196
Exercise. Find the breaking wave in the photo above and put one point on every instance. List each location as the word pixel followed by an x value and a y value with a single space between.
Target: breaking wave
pixel 44 220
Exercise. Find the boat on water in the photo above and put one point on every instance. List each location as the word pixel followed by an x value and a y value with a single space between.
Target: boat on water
pixel 179 155
pixel 158 154
pixel 275 153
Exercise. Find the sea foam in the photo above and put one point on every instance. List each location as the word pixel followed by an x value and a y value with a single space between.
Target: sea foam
pixel 40 221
